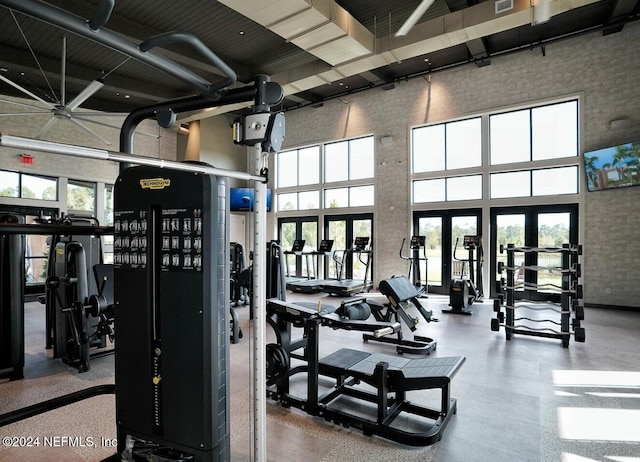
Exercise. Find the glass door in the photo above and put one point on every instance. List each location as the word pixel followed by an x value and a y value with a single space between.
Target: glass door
pixel 509 229
pixel 461 226
pixel 431 269
pixel 441 230
pixel 343 230
pixel 535 226
pixel 290 230
pixel 553 231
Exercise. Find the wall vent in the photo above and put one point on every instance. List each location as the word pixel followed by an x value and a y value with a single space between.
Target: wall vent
pixel 503 5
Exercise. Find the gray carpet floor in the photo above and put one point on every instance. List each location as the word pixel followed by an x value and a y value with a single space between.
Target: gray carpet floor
pixel 527 399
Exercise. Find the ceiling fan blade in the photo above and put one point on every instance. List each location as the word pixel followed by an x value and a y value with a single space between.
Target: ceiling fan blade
pixel 46 127
pixel 75 116
pixel 26 92
pixel 78 116
pixel 88 130
pixel 84 95
pixel 63 71
pixel 15 114
pixel 414 18
pixel 101 114
pixel 18 103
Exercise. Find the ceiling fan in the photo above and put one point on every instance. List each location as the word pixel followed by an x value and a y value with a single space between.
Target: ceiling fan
pixel 60 109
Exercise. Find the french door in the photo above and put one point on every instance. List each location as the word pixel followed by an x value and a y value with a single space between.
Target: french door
pixel 534 226
pixel 291 229
pixel 442 230
pixel 343 229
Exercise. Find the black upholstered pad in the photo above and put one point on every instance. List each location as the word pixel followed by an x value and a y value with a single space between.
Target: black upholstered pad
pixel 314 306
pixel 344 358
pixel 404 373
pixel 398 288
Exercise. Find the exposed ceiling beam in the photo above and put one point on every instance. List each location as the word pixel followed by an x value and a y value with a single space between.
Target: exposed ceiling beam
pixel 322 28
pixel 459 27
pixel 621 11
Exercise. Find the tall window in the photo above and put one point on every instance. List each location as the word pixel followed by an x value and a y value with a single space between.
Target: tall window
pixel 531 152
pixel 348 160
pixel 348 170
pixel 10 182
pixel 447 146
pixel 299 167
pixel 81 197
pixel 108 205
pixel 539 133
pixel 15 184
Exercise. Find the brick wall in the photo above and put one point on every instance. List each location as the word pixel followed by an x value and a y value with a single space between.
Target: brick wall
pixel 602 70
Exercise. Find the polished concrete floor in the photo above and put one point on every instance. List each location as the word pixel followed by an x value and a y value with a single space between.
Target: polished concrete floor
pixel 527 399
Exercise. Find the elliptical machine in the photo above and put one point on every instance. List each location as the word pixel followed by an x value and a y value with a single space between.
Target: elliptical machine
pixel 463 291
pixel 416 243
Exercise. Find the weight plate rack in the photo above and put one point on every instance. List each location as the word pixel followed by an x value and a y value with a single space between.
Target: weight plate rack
pixel 509 312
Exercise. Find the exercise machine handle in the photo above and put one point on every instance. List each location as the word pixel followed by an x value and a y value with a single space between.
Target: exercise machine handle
pixel 395 328
pixel 402 249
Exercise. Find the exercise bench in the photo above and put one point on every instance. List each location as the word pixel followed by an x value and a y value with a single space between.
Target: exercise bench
pixel 402 295
pixel 391 377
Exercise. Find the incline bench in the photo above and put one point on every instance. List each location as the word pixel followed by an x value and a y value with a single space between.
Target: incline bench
pixel 402 296
pixel 390 376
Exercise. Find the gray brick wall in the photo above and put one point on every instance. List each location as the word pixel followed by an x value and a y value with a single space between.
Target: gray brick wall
pixel 602 70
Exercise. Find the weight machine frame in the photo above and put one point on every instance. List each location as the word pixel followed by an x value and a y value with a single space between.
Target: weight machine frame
pixel 391 377
pixel 263 93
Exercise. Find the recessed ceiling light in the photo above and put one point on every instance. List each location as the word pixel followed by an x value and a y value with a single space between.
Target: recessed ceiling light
pixel 2 69
pixel 341 83
pixel 21 73
pixel 127 96
pixel 241 32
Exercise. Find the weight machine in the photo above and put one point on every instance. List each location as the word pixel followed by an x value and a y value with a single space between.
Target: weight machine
pixel 390 377
pixel 402 295
pixel 168 411
pixel 12 277
pixel 77 325
pixel 464 291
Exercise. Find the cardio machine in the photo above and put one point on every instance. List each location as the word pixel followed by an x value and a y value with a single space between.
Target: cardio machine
pixel 415 244
pixel 464 290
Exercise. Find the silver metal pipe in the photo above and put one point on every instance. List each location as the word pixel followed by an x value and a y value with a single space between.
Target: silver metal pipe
pixel 102 154
pixel 259 315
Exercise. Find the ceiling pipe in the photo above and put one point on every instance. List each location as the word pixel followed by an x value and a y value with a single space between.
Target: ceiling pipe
pixel 64 20
pixel 414 18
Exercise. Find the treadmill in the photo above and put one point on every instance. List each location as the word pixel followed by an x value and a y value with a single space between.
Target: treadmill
pixel 314 285
pixel 297 250
pixel 349 287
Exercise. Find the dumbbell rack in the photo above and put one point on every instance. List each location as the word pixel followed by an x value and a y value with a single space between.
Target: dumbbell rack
pixel 570 294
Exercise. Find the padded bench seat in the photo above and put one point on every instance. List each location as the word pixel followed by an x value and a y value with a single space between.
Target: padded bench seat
pixel 391 376
pixel 404 373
